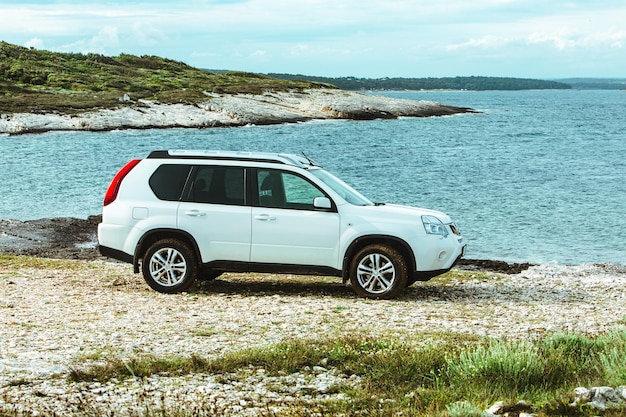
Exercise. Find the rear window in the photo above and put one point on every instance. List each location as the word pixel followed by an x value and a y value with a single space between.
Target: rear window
pixel 168 181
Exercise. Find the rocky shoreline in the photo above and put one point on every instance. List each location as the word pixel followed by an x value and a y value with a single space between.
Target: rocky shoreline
pixel 228 110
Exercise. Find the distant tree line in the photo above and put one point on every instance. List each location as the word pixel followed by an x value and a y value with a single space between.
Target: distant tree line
pixel 447 83
pixel 596 83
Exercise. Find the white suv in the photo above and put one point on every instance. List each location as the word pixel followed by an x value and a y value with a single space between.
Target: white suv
pixel 182 215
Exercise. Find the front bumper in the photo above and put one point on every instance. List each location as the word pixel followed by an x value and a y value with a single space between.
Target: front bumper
pixel 427 275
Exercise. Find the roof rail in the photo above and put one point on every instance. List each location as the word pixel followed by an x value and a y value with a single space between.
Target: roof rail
pixel 282 158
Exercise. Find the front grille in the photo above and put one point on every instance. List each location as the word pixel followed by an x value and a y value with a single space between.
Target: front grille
pixel 454 229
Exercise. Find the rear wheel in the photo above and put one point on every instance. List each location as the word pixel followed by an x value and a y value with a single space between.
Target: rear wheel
pixel 378 271
pixel 169 266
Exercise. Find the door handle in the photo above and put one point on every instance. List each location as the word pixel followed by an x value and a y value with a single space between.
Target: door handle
pixel 265 217
pixel 195 213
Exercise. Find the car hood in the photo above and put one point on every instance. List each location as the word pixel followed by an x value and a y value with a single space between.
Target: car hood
pixel 400 211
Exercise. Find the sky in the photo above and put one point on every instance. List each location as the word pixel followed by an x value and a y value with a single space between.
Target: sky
pixel 547 39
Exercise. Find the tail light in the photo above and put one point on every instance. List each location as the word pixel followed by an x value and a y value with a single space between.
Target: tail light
pixel 114 187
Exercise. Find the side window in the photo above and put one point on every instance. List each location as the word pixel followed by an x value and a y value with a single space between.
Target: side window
pixel 168 181
pixel 286 190
pixel 218 185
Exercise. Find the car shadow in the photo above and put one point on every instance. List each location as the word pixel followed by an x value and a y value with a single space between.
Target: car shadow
pixel 495 292
pixel 273 287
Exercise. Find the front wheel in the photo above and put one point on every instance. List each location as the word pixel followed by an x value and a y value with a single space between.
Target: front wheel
pixel 378 271
pixel 169 266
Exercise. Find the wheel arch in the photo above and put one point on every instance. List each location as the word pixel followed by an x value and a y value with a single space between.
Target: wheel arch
pixel 157 234
pixel 399 244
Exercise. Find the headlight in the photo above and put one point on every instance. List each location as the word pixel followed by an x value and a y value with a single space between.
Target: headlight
pixel 434 226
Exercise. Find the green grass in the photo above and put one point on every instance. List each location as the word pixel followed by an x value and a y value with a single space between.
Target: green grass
pixel 15 262
pixel 41 81
pixel 455 375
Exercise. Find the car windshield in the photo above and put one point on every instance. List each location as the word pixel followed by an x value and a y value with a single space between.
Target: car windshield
pixel 346 192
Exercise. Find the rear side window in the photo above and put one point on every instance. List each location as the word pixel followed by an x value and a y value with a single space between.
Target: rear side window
pixel 218 185
pixel 168 181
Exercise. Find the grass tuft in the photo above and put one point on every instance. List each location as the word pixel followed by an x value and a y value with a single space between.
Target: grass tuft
pixel 15 262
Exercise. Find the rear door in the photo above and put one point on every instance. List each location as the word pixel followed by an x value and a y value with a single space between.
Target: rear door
pixel 286 227
pixel 216 213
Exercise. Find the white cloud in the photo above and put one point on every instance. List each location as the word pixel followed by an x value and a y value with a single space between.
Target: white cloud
pixel 34 43
pixel 568 39
pixel 489 41
pixel 258 54
pixel 147 33
pixel 105 40
pixel 614 38
pixel 560 40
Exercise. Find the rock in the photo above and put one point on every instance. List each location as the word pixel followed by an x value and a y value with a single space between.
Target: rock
pixel 493 265
pixel 583 395
pixel 319 369
pixel 231 110
pixel 604 397
pixel 600 398
pixel 496 409
pixel 62 237
pixel 519 409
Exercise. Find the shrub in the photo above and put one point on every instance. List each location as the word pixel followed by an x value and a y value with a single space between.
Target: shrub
pixel 499 367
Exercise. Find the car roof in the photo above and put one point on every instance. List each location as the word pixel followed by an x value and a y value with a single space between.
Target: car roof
pixel 302 161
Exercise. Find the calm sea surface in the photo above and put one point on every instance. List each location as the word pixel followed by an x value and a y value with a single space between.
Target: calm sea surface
pixel 539 176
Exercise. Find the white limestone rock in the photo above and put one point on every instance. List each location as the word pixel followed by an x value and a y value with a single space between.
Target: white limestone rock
pixel 230 110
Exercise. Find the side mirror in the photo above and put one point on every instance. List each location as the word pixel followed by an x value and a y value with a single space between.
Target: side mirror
pixel 322 203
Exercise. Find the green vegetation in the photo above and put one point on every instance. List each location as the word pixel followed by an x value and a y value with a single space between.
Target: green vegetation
pixel 41 81
pixel 447 83
pixel 596 83
pixel 14 263
pixel 453 375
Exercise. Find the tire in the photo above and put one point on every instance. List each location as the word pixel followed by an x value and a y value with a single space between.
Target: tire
pixel 170 266
pixel 379 272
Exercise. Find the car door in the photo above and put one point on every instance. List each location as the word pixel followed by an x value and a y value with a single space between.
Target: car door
pixel 286 227
pixel 215 213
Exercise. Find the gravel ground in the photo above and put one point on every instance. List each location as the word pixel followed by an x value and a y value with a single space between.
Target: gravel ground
pixel 64 314
pixel 53 319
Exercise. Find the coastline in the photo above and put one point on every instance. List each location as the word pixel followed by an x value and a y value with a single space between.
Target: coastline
pixel 231 110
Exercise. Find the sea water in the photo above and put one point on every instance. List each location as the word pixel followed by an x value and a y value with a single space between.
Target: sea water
pixel 536 176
